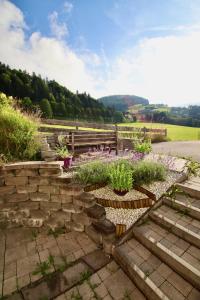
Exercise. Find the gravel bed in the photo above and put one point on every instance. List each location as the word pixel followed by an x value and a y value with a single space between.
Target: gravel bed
pixel 160 187
pixel 108 194
pixel 124 216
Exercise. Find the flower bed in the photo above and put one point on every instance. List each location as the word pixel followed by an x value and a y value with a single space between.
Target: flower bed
pixel 133 199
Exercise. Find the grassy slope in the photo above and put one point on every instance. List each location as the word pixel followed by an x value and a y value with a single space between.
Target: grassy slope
pixel 174 132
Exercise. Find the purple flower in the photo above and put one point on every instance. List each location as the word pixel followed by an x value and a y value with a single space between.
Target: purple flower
pixel 137 156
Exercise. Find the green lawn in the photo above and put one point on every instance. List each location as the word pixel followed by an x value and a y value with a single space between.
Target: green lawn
pixel 174 132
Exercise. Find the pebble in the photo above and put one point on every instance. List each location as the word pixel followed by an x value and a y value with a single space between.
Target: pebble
pixel 124 216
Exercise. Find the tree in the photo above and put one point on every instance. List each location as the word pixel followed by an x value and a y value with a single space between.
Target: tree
pixel 46 108
pixel 27 103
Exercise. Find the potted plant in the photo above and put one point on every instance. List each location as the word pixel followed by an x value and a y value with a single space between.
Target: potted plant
pixel 141 149
pixel 64 154
pixel 121 178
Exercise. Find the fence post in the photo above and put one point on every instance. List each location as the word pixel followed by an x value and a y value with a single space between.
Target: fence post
pixel 165 131
pixel 117 140
pixel 72 141
pixel 144 130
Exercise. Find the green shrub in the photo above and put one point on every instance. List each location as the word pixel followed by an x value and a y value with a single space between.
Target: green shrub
pixel 147 172
pixel 144 147
pixel 92 173
pixel 17 132
pixel 120 175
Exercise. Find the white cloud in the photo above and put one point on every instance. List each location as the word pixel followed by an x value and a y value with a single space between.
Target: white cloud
pixel 68 6
pixel 161 69
pixel 59 30
pixel 49 57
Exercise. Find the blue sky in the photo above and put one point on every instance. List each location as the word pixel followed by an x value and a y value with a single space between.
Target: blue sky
pixel 142 47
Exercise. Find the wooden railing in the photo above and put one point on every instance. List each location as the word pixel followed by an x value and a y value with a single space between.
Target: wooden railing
pixel 80 125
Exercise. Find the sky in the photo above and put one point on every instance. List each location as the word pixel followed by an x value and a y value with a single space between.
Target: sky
pixel 105 47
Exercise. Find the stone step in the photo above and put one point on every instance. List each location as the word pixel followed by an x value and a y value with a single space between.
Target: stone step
pixel 180 255
pixel 190 187
pixel 181 225
pixel 184 204
pixel 150 274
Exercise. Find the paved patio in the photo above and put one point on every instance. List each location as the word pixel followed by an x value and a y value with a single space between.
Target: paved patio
pixel 21 249
pixel 38 265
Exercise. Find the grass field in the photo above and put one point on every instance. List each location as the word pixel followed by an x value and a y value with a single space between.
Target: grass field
pixel 174 132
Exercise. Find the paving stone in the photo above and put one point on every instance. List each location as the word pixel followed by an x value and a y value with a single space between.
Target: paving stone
pixel 164 270
pixel 79 253
pixel 15 296
pixel 116 290
pixel 10 270
pixel 101 290
pixel 9 285
pixel 171 292
pixel 137 295
pixel 112 266
pixel 194 295
pixel 23 281
pixel 96 260
pixel 85 291
pixel 103 273
pixel 71 293
pixel 180 284
pixel 37 292
pixel 73 274
pixel 157 278
pixel 61 297
pixel 95 279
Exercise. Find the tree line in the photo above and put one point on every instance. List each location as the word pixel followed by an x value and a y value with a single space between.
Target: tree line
pixel 53 99
pixel 189 116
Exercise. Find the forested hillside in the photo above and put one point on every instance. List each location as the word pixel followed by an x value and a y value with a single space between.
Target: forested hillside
pixel 54 100
pixel 123 102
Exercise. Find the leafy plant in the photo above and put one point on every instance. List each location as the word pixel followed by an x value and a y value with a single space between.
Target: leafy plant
pixel 92 173
pixel 62 151
pixel 85 275
pixel 193 167
pixel 145 172
pixel 144 147
pixel 44 267
pixel 120 175
pixel 17 131
pixel 56 232
pixel 172 192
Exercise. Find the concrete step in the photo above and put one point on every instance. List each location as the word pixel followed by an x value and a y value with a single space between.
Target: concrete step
pixel 191 187
pixel 186 205
pixel 180 255
pixel 184 227
pixel 150 274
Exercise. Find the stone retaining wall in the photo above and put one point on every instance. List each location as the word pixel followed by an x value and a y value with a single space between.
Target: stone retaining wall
pixel 37 194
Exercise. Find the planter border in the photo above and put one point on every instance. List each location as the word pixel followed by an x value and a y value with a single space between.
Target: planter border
pixel 134 204
pixel 125 204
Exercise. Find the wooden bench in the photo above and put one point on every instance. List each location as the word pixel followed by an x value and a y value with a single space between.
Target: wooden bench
pixel 82 141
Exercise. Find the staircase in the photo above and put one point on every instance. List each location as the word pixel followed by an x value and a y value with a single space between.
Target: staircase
pixel 162 253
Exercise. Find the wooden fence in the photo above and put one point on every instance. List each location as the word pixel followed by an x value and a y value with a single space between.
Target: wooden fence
pixel 79 125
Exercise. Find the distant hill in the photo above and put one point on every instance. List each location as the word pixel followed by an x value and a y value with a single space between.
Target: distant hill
pixel 123 102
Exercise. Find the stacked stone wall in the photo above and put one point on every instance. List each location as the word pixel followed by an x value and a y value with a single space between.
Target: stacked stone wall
pixel 39 193
pixel 36 194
